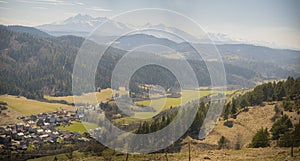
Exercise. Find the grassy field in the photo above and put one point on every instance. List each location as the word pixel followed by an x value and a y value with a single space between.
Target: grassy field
pixel 187 95
pixel 28 106
pixel 88 98
pixel 165 103
pixel 161 104
pixel 79 127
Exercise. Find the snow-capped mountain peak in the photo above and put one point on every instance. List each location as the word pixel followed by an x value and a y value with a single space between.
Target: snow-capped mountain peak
pixel 78 19
pixel 81 25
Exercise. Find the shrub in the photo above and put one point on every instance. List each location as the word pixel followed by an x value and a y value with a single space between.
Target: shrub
pixel 260 139
pixel 223 143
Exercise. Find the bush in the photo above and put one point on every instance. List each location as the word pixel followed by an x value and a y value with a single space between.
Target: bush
pixel 260 139
pixel 223 143
pixel 287 106
pixel 228 124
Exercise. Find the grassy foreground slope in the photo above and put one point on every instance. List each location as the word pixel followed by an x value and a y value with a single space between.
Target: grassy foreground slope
pixel 264 154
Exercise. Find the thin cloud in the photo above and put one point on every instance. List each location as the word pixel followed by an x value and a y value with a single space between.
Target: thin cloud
pixel 3 2
pixel 80 3
pixel 99 9
pixel 40 2
pixel 41 8
pixel 46 2
pixel 5 8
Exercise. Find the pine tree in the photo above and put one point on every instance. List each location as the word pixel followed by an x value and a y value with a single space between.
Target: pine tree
pixel 297 135
pixel 286 140
pixel 281 126
pixel 260 139
pixel 233 108
pixel 226 111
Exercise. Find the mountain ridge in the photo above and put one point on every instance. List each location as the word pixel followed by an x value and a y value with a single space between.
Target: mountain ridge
pixel 45 66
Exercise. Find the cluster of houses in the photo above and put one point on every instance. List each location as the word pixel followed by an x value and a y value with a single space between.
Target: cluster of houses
pixel 40 129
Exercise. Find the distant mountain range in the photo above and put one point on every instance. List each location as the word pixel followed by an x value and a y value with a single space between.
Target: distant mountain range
pixel 82 25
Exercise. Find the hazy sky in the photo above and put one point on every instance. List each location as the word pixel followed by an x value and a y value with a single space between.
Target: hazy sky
pixel 272 21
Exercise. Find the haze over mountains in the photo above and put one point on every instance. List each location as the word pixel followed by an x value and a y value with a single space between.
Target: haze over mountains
pixel 43 57
pixel 235 51
pixel 82 25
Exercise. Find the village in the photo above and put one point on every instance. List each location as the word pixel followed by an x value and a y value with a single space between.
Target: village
pixel 40 129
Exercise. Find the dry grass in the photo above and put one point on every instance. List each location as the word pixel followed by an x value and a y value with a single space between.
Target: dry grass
pixel 293 116
pixel 244 126
pixel 260 154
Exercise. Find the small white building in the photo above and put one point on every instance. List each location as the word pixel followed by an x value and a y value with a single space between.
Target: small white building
pixel 44 136
pixel 39 131
pixel 54 134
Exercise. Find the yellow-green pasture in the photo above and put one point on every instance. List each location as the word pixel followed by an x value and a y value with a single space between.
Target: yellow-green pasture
pixel 79 127
pixel 88 98
pixel 161 104
pixel 186 96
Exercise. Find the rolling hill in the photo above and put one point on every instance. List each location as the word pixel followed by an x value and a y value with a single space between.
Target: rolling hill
pixel 33 65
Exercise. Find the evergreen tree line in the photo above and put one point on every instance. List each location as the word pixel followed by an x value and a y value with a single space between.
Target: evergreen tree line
pixel 276 91
pixel 165 120
pixel 160 123
pixel 282 131
pixel 285 91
